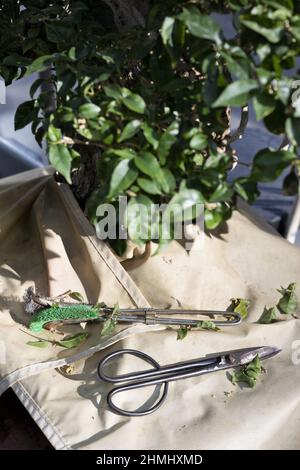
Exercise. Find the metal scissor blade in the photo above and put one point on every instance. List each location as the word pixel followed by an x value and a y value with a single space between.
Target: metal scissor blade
pixel 244 356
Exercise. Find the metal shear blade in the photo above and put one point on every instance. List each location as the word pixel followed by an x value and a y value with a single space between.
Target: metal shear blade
pixel 162 375
pixel 244 356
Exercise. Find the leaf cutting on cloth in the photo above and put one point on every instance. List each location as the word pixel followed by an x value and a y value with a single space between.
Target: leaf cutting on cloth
pixel 288 304
pixel 76 296
pixel 204 325
pixel 182 332
pixel 207 325
pixel 110 324
pixel 269 315
pixel 38 344
pixel 73 341
pixel 240 306
pixel 248 374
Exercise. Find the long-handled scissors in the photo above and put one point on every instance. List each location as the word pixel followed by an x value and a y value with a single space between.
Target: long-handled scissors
pixel 171 372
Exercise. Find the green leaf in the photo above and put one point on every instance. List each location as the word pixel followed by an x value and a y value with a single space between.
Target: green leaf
pixel 288 304
pixel 240 306
pixel 38 344
pixel 295 30
pixel 272 34
pixel 237 62
pixel 76 296
pixel 40 64
pixel 207 325
pixel 182 332
pixel 65 114
pixel 246 189
pixel 116 311
pixel 73 341
pixel 89 110
pixel 167 140
pixel 130 130
pixel 198 159
pixel 285 5
pixel 149 186
pixel 139 219
pixel 123 176
pixel 201 26
pixel 110 324
pixel 213 218
pixel 61 158
pixel 236 94
pixel 108 327
pixel 269 315
pixel 90 134
pixel 292 127
pixel 56 32
pixel 248 374
pixel 148 164
pixel 123 153
pixel 166 31
pixel 264 104
pixel 54 134
pixel 25 114
pixel 198 141
pixel 184 205
pixel 268 164
pixel 150 135
pixel 168 182
pixel 16 60
pixel 291 184
pixel 223 192
pixel 113 91
pixel 135 103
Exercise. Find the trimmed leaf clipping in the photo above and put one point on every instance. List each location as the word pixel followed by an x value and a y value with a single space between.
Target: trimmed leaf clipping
pixel 248 374
pixel 240 306
pixel 182 332
pixel 73 341
pixel 110 324
pixel 269 315
pixel 207 325
pixel 38 344
pixel 288 304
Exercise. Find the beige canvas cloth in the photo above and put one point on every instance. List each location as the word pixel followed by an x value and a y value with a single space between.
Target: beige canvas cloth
pixel 46 241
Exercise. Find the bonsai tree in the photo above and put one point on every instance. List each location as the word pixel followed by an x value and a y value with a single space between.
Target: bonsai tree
pixel 134 98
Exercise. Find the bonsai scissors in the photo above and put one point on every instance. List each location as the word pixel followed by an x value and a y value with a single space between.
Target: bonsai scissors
pixel 171 372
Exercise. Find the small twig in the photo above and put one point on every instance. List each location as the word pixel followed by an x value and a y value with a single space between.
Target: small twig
pixel 284 144
pixel 70 141
pixel 242 126
pixel 248 165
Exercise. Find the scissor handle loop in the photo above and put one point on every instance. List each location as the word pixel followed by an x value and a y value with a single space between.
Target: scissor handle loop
pixel 129 386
